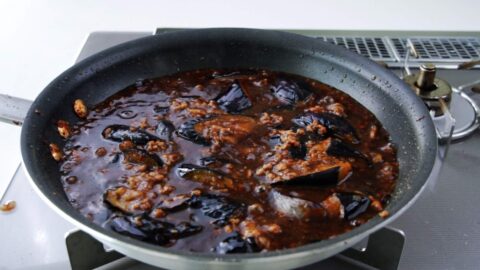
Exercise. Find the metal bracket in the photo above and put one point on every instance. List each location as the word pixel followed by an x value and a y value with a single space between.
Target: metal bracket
pixel 383 251
pixel 86 252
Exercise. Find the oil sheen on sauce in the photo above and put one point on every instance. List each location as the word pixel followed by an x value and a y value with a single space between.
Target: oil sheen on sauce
pixel 229 161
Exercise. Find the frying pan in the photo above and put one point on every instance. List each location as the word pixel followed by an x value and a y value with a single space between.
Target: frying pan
pixel 103 74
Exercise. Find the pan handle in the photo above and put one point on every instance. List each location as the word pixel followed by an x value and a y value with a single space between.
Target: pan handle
pixel 13 110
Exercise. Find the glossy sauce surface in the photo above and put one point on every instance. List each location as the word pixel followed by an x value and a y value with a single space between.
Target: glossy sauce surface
pixel 229 162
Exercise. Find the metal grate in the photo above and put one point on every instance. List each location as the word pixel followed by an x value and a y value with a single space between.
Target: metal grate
pixel 447 50
pixel 375 47
pixel 440 49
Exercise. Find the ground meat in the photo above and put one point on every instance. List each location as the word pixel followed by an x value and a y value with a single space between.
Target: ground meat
pixel 80 108
pixel 156 146
pixel 271 119
pixel 63 129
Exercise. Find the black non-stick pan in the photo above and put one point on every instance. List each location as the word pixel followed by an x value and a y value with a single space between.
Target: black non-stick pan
pixel 94 79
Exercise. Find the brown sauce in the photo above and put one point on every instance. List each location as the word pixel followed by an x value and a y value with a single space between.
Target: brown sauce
pixel 228 162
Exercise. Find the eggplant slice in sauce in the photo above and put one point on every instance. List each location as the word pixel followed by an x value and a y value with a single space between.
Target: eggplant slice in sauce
pixel 219 208
pixel 206 176
pixel 338 205
pixel 322 176
pixel 164 130
pixel 292 207
pixel 336 125
pixel 141 157
pixel 340 149
pixel 120 133
pixel 289 92
pixel 234 100
pixel 316 169
pixel 223 129
pixel 124 199
pixel 236 244
pixel 152 231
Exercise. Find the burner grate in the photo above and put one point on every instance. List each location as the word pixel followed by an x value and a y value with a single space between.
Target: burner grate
pixel 440 49
pixel 372 47
pixel 450 50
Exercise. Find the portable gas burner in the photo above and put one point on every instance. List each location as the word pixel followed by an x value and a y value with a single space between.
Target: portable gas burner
pixel 440 231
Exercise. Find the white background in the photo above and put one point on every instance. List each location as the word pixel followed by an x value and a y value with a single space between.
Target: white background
pixel 39 39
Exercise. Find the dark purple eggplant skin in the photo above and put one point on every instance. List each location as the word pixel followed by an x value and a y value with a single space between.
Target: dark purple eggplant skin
pixel 323 178
pixel 289 92
pixel 165 130
pixel 340 149
pixel 187 131
pixel 152 231
pixel 298 152
pixel 236 244
pixel 212 161
pixel 184 169
pixel 235 100
pixel 120 133
pixel 141 157
pixel 161 109
pixel 354 204
pixel 219 208
pixel 336 125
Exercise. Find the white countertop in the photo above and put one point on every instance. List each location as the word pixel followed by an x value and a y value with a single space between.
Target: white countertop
pixel 40 38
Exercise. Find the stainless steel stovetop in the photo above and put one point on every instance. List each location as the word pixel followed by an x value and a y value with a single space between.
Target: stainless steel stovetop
pixel 440 231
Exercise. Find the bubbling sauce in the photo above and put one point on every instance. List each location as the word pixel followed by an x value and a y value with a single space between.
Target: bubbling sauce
pixel 228 161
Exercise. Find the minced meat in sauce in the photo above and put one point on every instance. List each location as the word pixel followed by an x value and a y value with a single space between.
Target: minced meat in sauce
pixel 227 161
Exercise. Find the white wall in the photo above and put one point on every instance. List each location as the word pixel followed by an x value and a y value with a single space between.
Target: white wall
pixel 40 38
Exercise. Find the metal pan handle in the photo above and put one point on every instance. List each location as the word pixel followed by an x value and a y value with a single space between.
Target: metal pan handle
pixel 13 110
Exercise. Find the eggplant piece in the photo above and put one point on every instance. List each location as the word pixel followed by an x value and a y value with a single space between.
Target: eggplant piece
pixel 234 100
pixel 340 149
pixel 142 157
pixel 223 128
pixel 328 176
pixel 124 199
pixel 161 109
pixel 289 92
pixel 298 208
pixel 120 133
pixel 219 208
pixel 336 125
pixel 274 140
pixel 298 152
pixel 176 203
pixel 205 161
pixel 164 130
pixel 354 204
pixel 115 158
pixel 123 225
pixel 152 231
pixel 289 206
pixel 205 176
pixel 188 132
pixel 321 176
pixel 236 244
pixel 212 161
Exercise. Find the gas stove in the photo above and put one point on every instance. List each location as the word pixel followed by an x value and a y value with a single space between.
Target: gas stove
pixel 440 231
